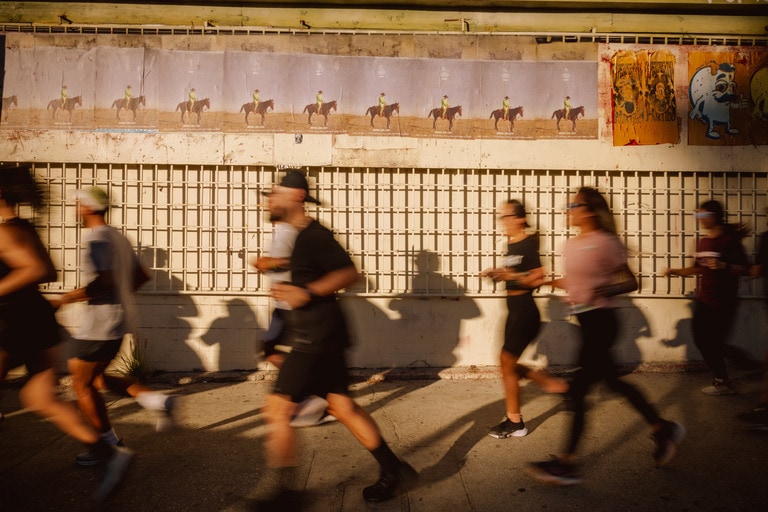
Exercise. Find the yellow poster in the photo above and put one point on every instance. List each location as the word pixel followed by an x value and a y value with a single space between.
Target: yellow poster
pixel 644 101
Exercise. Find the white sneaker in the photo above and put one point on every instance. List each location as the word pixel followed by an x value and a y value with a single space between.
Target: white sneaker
pixel 720 387
pixel 309 412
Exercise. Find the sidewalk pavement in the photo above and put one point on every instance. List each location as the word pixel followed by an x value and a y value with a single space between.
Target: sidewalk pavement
pixel 215 459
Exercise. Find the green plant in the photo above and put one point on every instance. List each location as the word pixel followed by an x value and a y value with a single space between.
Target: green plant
pixel 134 363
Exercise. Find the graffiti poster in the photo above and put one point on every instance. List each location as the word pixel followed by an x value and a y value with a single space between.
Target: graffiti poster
pixel 728 97
pixel 110 88
pixel 643 94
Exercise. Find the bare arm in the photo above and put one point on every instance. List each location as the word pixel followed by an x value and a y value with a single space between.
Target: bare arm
pixel 26 266
pixel 297 296
pixel 531 279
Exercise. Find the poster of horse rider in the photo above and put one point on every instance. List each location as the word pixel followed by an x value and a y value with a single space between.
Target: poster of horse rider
pixel 644 98
pixel 159 84
pixel 727 92
pixel 537 91
pixel 49 87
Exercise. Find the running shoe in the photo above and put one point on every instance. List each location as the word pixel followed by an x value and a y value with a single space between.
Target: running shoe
pixel 117 467
pixel 720 387
pixel 89 458
pixel 508 428
pixel 390 485
pixel 667 438
pixel 555 472
pixel 309 412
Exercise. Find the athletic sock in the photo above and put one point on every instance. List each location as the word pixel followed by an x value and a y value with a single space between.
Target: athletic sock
pixel 110 437
pixel 386 458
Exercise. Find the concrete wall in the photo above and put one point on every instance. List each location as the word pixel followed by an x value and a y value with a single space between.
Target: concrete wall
pixel 221 333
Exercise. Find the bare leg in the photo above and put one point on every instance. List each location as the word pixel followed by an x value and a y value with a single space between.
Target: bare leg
pixel 544 380
pixel 39 395
pixel 92 406
pixel 281 442
pixel 352 416
pixel 511 383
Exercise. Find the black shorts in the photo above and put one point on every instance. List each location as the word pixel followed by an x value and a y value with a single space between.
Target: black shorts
pixel 303 374
pixel 28 327
pixel 94 351
pixel 523 323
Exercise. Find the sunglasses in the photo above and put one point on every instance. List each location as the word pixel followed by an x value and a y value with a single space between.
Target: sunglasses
pixel 703 215
pixel 571 206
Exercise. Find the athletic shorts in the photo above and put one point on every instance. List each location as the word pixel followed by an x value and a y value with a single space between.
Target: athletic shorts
pixel 94 351
pixel 523 323
pixel 303 374
pixel 28 327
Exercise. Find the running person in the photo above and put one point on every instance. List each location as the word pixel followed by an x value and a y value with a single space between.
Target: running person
pixel 29 332
pixel 317 329
pixel 720 261
pixel 591 260
pixel 522 273
pixel 112 272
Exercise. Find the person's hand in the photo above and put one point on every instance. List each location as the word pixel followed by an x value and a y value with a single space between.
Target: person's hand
pixel 667 272
pixel 263 264
pixel 294 296
pixel 56 303
pixel 496 274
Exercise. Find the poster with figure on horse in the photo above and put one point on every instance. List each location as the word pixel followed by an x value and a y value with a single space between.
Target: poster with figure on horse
pixel 644 103
pixel 49 87
pixel 727 95
pixel 516 104
pixel 180 84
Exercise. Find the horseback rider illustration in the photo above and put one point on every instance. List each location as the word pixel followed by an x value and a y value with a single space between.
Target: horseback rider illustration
pixel 382 104
pixel 64 95
pixel 444 105
pixel 256 100
pixel 567 106
pixel 505 108
pixel 319 100
pixel 128 95
pixel 192 98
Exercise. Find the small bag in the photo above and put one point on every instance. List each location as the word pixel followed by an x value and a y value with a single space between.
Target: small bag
pixel 624 281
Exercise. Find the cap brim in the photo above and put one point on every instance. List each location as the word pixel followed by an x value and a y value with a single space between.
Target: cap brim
pixel 310 199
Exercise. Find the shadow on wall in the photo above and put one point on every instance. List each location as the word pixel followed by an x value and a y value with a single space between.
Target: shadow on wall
pixel 560 338
pixel 424 332
pixel 164 316
pixel 236 335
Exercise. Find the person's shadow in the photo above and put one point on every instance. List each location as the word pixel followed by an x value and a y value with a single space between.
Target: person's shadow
pixel 164 314
pixel 236 335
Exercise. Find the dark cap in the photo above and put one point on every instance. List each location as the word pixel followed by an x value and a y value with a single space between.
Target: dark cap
pixel 296 179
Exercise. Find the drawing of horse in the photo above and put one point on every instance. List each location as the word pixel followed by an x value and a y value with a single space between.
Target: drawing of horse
pixel 450 114
pixel 133 105
pixel 324 110
pixel 9 101
pixel 511 115
pixel 197 109
pixel 388 111
pixel 68 105
pixel 572 115
pixel 261 109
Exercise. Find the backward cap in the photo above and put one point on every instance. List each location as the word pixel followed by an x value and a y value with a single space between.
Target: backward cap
pixel 296 179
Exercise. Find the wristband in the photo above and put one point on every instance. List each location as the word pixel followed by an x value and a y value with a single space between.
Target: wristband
pixel 312 295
